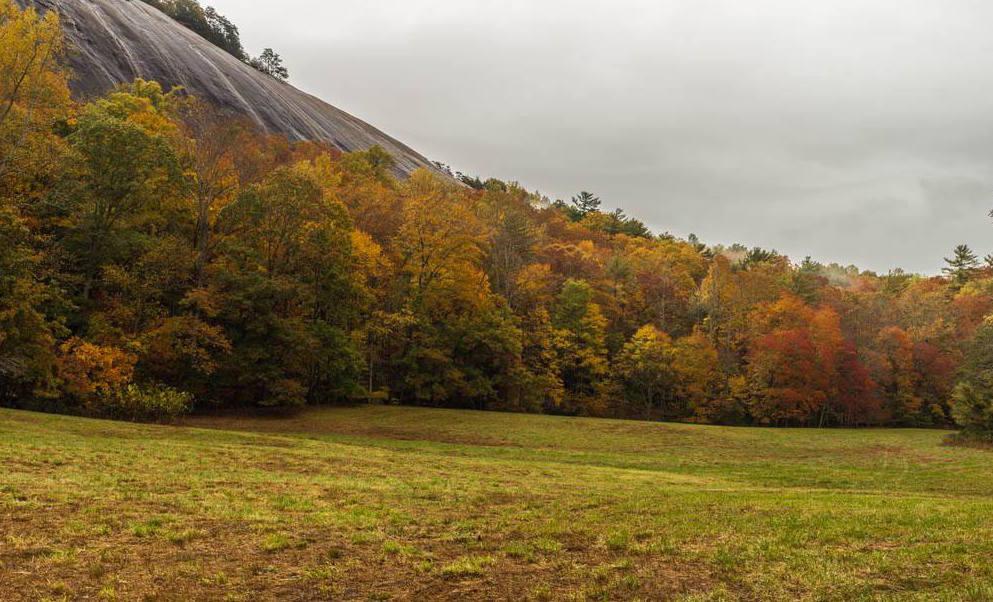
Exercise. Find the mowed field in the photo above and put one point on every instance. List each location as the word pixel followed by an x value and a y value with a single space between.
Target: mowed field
pixel 386 503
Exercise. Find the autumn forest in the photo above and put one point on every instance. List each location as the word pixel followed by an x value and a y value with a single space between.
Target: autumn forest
pixel 159 257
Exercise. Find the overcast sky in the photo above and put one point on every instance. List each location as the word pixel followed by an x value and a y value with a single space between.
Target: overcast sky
pixel 856 131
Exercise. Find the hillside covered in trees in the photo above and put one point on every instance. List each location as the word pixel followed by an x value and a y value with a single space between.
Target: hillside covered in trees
pixel 157 257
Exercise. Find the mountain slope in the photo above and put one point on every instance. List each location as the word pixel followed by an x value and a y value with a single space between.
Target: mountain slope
pixel 116 41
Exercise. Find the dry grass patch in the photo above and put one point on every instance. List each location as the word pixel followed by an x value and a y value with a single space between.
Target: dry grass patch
pixel 409 504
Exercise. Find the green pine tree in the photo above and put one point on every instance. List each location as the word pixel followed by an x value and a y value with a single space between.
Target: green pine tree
pixel 962 265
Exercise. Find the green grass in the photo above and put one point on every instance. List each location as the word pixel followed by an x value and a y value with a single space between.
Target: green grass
pixel 385 502
pixel 468 565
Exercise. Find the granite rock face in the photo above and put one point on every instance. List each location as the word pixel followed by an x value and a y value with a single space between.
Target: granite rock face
pixel 115 41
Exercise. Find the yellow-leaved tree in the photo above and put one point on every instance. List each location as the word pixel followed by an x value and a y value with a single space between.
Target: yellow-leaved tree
pixel 34 97
pixel 34 94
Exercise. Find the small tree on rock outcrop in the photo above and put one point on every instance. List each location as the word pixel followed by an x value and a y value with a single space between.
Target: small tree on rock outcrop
pixel 270 63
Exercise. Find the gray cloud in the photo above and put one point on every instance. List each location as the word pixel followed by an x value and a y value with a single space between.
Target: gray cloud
pixel 852 131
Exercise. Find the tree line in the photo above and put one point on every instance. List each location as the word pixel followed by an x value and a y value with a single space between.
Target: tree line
pixel 157 257
pixel 221 32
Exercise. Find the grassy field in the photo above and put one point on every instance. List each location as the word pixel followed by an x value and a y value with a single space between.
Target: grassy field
pixel 389 503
